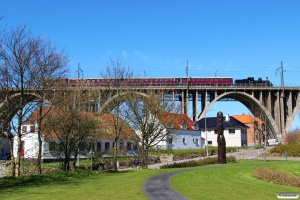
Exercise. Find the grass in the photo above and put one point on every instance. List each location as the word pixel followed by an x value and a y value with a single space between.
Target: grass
pixel 235 181
pixel 107 185
pixel 232 181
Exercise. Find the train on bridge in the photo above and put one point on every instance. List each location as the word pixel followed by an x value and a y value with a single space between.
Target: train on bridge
pixel 168 81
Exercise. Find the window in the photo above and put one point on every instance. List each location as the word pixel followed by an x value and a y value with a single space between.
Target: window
pixel 61 147
pixel 51 146
pixel 106 146
pixel 231 130
pixel 24 129
pixel 184 140
pixel 98 147
pixel 196 141
pixel 135 147
pixel 170 140
pixel 91 146
pixel 32 129
pixel 209 142
pixel 128 146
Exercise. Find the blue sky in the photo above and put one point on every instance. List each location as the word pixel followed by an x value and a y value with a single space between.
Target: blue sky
pixel 227 37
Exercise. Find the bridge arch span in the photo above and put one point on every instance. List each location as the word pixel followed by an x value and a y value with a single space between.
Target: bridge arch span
pixel 119 97
pixel 10 106
pixel 255 107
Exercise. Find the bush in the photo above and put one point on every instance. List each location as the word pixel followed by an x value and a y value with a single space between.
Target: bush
pixel 200 162
pixel 292 150
pixel 211 150
pixel 276 177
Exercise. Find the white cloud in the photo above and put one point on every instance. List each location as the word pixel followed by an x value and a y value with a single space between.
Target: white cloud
pixel 140 55
pixel 125 54
pixel 200 66
pixel 214 63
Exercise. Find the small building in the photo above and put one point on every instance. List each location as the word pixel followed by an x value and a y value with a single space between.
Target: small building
pixel 253 137
pixel 183 134
pixel 235 132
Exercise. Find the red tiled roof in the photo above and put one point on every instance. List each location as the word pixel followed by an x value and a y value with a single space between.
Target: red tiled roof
pixel 127 131
pixel 247 119
pixel 106 123
pixel 178 120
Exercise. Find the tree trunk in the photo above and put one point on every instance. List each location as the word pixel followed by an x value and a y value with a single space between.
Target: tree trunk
pixel 115 155
pixel 12 159
pixel 40 142
pixel 18 158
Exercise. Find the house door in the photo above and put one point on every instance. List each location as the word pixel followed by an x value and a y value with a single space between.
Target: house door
pixel 22 148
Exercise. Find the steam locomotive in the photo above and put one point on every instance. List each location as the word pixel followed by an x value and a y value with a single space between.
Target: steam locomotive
pixel 250 81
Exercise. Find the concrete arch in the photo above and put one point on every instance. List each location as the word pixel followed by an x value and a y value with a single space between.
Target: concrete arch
pixel 105 105
pixel 250 102
pixel 12 105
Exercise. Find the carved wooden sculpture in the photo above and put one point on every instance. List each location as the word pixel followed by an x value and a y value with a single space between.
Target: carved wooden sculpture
pixel 221 140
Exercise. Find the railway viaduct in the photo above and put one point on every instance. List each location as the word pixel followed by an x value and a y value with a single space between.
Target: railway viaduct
pixel 276 106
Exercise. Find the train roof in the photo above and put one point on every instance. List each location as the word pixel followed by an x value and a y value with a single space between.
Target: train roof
pixel 157 77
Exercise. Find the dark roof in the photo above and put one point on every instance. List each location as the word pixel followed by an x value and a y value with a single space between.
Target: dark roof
pixel 211 123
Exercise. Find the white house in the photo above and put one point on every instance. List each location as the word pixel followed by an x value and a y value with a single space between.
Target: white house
pixel 182 135
pixel 235 132
pixel 101 145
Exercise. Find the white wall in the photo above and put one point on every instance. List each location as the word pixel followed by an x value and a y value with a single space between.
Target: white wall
pixel 30 145
pixel 232 139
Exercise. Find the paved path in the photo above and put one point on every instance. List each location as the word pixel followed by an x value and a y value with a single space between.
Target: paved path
pixel 240 155
pixel 158 187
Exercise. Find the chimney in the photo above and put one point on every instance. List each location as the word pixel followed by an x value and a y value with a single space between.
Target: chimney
pixel 227 117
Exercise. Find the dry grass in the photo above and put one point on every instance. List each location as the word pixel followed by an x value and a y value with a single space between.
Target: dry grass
pixel 293 137
pixel 277 177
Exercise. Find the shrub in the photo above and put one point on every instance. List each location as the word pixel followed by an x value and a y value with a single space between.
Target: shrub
pixel 200 162
pixel 276 177
pixel 292 149
pixel 211 150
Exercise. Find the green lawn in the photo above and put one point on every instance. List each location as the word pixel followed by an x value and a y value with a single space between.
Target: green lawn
pixel 234 181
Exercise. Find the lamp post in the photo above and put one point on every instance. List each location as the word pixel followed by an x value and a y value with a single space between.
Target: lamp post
pixel 206 142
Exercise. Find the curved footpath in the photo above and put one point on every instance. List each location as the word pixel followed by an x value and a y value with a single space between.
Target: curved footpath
pixel 158 187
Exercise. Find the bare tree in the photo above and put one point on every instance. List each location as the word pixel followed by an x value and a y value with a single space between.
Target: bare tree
pixel 28 62
pixel 117 77
pixel 50 65
pixel 152 118
pixel 69 125
pixel 17 56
